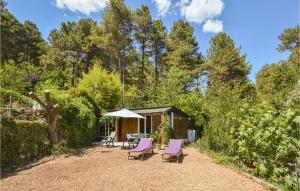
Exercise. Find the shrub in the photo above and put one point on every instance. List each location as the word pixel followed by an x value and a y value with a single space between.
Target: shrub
pixel 17 98
pixel 22 141
pixel 77 121
pixel 267 140
pixel 102 86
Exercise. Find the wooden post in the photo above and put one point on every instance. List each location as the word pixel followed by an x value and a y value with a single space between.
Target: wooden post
pixel 162 129
pixel 51 113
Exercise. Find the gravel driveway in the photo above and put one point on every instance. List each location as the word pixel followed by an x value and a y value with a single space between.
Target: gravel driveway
pixel 108 169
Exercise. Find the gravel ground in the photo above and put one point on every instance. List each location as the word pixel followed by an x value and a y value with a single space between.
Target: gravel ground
pixel 108 169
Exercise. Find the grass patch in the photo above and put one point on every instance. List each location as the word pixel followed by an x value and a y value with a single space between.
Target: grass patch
pixel 233 162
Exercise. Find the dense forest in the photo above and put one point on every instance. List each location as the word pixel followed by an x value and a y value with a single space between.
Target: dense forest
pixel 128 59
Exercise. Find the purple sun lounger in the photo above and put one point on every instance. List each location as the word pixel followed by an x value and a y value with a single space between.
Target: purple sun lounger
pixel 174 149
pixel 144 146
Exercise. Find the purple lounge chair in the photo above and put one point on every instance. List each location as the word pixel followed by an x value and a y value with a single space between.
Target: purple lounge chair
pixel 174 149
pixel 144 146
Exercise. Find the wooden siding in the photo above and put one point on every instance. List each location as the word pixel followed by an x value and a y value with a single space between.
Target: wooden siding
pixel 126 126
pixel 156 122
pixel 180 126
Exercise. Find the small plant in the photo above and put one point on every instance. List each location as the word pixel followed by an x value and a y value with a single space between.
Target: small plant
pixel 62 148
pixel 156 136
pixel 157 139
pixel 166 126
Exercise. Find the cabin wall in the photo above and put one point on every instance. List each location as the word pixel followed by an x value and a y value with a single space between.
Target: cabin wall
pixel 126 126
pixel 180 126
pixel 156 122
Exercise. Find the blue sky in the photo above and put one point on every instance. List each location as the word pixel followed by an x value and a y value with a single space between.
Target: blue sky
pixel 253 24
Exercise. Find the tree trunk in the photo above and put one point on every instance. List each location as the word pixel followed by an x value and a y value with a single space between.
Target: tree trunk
pixel 51 113
pixel 143 65
pixel 156 67
pixel 73 75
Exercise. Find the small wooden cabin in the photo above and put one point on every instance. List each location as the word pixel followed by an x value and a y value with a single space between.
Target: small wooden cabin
pixel 180 122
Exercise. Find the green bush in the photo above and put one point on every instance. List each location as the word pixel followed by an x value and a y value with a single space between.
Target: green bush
pixel 77 118
pixel 102 86
pixel 22 141
pixel 267 140
pixel 221 102
pixel 17 98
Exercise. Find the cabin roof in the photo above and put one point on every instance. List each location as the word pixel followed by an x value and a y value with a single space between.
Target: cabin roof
pixel 146 110
pixel 158 109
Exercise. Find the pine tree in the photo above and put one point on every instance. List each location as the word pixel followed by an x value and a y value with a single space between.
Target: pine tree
pixel 143 27
pixel 225 63
pixel 158 47
pixel 183 50
pixel 71 50
pixel 35 46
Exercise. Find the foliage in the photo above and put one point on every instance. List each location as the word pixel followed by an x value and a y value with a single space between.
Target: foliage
pixel 62 148
pixel 22 141
pixel 16 78
pixel 156 136
pixel 172 86
pixel 193 104
pixel 70 53
pixel 225 62
pixel 221 103
pixel 183 48
pixel 275 82
pixel 17 98
pixel 102 86
pixel 77 124
pixel 267 140
pixel 289 39
pixel 143 27
pixel 166 129
pixel 158 47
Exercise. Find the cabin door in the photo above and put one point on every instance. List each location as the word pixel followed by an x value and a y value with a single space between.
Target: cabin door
pixel 145 125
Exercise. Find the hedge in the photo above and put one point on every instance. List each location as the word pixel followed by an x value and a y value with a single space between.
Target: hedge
pixel 22 141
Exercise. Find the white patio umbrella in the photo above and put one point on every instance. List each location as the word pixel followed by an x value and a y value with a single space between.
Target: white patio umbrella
pixel 124 113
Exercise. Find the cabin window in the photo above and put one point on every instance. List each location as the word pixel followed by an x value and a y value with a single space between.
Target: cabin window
pixel 148 125
pixel 142 125
pixel 145 125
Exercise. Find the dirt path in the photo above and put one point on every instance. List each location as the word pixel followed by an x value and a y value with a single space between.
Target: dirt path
pixel 108 169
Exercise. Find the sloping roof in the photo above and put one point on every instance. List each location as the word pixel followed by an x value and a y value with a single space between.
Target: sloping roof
pixel 162 109
pixel 158 109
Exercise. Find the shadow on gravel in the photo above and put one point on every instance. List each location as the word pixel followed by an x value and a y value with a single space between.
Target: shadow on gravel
pixel 173 159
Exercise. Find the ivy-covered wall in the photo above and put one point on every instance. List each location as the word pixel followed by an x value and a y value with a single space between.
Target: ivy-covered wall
pixel 22 141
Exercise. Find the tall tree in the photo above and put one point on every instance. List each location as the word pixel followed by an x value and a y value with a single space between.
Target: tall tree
pixel 183 50
pixel 143 27
pixel 158 46
pixel 35 46
pixel 117 28
pixel 12 38
pixel 225 63
pixel 275 82
pixel 3 5
pixel 290 41
pixel 71 50
pixel 21 47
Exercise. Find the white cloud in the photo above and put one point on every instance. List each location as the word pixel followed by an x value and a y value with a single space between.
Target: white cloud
pixel 83 6
pixel 200 11
pixel 214 26
pixel 163 6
